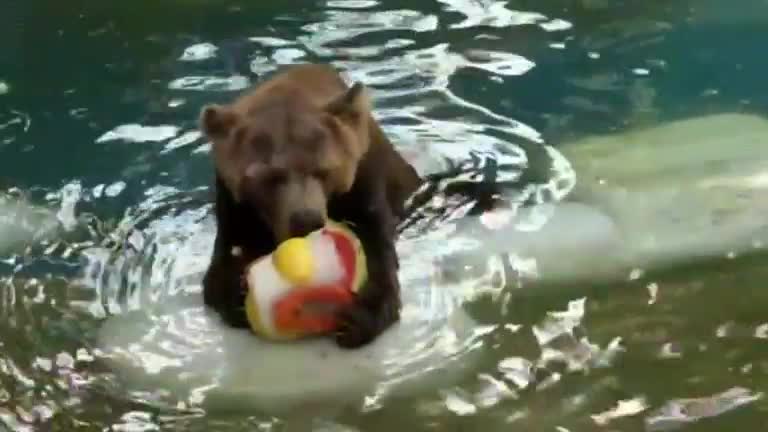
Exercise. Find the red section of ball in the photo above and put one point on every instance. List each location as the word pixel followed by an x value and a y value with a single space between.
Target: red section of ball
pixel 346 250
pixel 312 309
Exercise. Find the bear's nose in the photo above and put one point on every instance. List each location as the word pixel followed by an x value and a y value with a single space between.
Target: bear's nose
pixel 304 222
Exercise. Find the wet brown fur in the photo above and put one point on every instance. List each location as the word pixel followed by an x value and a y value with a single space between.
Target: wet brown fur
pixel 304 143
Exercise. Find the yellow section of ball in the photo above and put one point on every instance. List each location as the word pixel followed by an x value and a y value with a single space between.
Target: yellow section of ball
pixel 293 259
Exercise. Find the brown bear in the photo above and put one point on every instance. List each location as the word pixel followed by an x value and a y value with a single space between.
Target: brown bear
pixel 300 147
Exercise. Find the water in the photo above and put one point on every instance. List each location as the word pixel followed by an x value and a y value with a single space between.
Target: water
pixel 98 103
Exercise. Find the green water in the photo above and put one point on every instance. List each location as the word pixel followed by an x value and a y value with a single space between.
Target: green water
pixel 448 77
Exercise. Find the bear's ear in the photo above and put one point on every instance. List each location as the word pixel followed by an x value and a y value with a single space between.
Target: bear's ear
pixel 350 105
pixel 216 120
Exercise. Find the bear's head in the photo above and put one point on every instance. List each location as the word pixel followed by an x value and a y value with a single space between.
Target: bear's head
pixel 286 155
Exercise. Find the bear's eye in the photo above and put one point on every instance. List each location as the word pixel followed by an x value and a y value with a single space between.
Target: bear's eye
pixel 317 135
pixel 238 137
pixel 260 140
pixel 275 178
pixel 321 174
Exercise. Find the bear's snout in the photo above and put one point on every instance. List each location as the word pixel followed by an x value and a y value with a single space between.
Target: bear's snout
pixel 303 222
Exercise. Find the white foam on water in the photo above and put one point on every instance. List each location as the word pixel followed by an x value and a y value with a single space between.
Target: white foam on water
pixel 179 345
pixel 688 189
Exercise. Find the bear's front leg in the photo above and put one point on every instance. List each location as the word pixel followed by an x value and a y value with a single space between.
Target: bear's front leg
pixel 222 286
pixel 378 305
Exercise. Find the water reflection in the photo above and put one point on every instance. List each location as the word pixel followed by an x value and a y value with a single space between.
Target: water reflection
pixel 676 413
